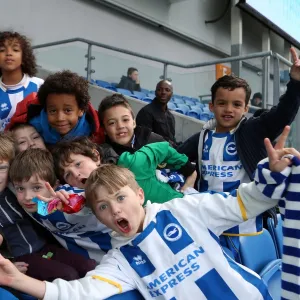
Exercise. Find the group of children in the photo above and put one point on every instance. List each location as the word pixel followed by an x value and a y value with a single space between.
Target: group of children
pixel 57 145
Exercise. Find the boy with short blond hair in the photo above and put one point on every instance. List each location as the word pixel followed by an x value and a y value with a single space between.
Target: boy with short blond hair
pixel 191 264
pixel 78 232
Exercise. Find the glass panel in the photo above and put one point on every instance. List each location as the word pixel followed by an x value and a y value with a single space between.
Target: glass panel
pixel 69 56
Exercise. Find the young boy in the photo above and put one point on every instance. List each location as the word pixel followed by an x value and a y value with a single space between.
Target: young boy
pixel 79 232
pixel 123 135
pixel 26 136
pixel 190 264
pixel 25 243
pixel 17 71
pixel 117 118
pixel 229 147
pixel 62 109
pixel 75 160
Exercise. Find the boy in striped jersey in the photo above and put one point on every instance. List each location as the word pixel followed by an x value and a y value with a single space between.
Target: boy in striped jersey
pixel 17 70
pixel 190 264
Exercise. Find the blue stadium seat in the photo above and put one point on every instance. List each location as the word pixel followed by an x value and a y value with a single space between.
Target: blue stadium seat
pixel 102 83
pixel 145 91
pixel 178 100
pixel 193 114
pixel 150 95
pixel 197 108
pixel 131 295
pixel 172 105
pixel 276 233
pixel 271 275
pixel 190 102
pixel 124 92
pixel 140 95
pixel 196 100
pixel 185 108
pixel 147 99
pixel 258 253
pixel 204 116
pixel 114 84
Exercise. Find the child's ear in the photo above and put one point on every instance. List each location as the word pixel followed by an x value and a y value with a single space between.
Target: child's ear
pixel 141 195
pixel 211 106
pixel 98 162
pixel 134 123
pixel 81 112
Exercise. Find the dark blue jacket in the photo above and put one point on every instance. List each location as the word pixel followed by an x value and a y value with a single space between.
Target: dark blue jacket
pixel 16 227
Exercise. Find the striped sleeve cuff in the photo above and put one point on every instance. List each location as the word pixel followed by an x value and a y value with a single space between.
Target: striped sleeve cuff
pixel 271 184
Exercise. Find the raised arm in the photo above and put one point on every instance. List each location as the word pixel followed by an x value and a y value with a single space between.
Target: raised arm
pixel 285 112
pixel 105 281
pixel 146 159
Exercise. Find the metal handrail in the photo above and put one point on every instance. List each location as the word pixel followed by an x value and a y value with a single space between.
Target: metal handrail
pixel 163 61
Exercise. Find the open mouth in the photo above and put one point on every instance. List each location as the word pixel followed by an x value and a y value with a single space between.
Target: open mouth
pixel 83 180
pixel 123 225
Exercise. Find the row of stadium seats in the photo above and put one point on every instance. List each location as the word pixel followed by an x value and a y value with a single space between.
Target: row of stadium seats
pixel 262 254
pixel 191 107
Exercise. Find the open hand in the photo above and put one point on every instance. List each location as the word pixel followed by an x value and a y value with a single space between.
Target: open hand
pixel 276 154
pixel 295 69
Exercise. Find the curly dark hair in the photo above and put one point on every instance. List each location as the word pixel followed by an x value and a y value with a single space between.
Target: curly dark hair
pixel 65 82
pixel 231 82
pixel 28 59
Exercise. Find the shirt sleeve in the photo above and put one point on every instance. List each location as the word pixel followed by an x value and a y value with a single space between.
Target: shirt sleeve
pixel 146 159
pixel 106 280
pixel 221 211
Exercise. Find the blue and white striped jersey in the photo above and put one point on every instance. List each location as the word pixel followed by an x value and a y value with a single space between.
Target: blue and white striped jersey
pixel 177 255
pixel 222 171
pixel 286 186
pixel 11 95
pixel 81 232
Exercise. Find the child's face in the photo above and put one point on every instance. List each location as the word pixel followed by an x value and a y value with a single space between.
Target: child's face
pixel 27 190
pixel 10 56
pixel 122 211
pixel 78 171
pixel 4 168
pixel 28 137
pixel 119 125
pixel 229 107
pixel 63 112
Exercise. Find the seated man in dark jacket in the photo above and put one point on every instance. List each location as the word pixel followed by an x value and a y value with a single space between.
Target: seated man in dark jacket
pixel 130 82
pixel 156 116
